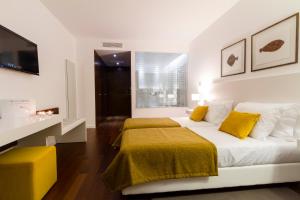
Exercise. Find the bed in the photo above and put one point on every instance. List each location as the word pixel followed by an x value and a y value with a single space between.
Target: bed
pixel 281 166
pixel 240 163
pixel 153 154
pixel 139 123
pixel 261 158
pixel 233 152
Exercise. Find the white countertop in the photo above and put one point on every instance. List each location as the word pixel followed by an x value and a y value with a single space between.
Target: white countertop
pixel 15 129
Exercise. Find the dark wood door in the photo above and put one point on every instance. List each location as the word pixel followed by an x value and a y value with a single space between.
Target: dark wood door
pixel 99 89
pixel 112 87
pixel 118 91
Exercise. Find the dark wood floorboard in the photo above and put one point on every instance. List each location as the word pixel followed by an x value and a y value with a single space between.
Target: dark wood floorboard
pixel 80 166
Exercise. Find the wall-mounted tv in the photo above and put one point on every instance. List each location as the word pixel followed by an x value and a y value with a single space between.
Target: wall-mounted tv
pixel 18 53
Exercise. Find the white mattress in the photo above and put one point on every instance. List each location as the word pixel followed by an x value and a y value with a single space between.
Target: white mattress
pixel 187 122
pixel 233 152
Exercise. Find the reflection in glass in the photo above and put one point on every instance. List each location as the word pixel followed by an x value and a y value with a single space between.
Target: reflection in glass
pixel 160 79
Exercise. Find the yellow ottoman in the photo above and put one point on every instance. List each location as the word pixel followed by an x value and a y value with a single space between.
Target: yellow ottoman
pixel 27 173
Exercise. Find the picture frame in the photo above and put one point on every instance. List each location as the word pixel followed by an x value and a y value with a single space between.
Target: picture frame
pixel 276 45
pixel 233 59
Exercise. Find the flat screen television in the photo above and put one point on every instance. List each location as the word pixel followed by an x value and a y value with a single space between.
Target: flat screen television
pixel 18 53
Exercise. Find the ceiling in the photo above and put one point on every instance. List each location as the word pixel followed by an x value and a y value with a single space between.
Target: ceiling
pixel 113 58
pixel 154 20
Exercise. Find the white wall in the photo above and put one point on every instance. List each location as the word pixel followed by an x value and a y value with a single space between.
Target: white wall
pixel 33 21
pixel 241 21
pixel 85 55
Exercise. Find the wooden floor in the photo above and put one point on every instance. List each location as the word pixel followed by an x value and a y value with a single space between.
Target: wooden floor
pixel 80 166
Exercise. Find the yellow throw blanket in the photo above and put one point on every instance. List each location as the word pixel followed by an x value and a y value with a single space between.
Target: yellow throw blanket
pixel 160 153
pixel 134 123
pixel 137 123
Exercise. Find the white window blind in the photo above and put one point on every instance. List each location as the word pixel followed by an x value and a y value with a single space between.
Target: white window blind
pixel 160 79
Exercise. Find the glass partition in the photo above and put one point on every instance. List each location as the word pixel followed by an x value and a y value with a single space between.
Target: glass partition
pixel 160 79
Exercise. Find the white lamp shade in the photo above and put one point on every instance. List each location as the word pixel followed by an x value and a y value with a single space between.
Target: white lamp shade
pixel 195 97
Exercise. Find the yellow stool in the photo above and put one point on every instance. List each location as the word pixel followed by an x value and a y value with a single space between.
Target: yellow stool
pixel 27 173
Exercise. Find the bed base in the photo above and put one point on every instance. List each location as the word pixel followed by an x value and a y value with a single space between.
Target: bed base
pixel 228 177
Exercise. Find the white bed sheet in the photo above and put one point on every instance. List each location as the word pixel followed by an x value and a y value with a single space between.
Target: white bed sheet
pixel 233 152
pixel 187 122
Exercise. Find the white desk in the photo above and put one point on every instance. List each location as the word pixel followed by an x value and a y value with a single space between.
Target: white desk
pixel 12 130
pixel 73 131
pixel 35 130
pixel 70 125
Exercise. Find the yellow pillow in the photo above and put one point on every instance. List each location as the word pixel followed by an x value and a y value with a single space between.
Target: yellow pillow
pixel 239 124
pixel 199 113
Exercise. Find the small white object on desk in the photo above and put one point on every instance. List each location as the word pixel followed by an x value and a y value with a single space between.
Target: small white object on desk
pixel 16 108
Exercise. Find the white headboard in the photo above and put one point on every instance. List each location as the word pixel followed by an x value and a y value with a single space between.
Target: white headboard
pixel 275 89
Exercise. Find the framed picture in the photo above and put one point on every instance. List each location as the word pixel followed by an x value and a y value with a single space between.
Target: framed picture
pixel 276 45
pixel 233 59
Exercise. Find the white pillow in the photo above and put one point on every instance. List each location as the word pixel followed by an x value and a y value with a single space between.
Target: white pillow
pixel 218 111
pixel 270 113
pixel 286 124
pixel 297 127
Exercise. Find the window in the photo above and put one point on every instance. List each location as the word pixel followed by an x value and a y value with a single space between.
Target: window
pixel 160 80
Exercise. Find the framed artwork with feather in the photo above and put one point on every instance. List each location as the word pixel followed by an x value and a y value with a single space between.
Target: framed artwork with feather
pixel 276 45
pixel 233 59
